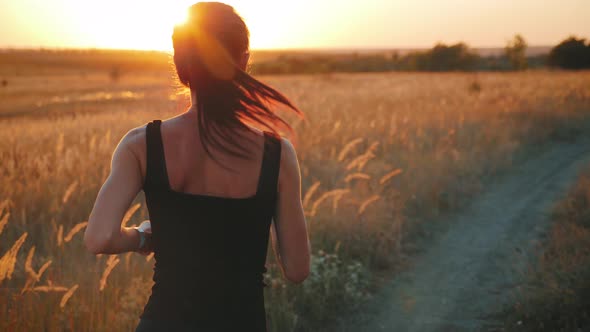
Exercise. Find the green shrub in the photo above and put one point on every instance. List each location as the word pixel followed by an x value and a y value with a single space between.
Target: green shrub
pixel 332 288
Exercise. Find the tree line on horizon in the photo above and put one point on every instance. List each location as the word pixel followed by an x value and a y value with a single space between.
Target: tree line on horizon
pixel 572 53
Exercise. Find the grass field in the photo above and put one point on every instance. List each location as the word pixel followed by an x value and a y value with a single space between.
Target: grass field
pixel 556 294
pixel 381 155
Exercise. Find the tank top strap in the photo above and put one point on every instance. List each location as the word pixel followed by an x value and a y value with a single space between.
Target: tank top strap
pixel 271 161
pixel 156 173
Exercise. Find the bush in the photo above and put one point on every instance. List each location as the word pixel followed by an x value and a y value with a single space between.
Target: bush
pixel 571 53
pixel 333 287
pixel 445 58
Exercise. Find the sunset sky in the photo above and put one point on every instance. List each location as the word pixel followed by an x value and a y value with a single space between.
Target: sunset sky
pixel 147 24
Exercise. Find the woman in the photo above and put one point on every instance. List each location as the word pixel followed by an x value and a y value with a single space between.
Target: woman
pixel 213 184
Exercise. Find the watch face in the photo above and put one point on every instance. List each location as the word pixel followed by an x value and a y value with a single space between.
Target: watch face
pixel 143 227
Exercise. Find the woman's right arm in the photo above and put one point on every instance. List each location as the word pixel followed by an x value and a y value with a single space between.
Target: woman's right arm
pixel 289 229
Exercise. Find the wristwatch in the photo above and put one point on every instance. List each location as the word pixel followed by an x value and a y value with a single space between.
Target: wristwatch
pixel 142 235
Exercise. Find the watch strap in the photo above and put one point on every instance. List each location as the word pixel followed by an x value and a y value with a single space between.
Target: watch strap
pixel 141 238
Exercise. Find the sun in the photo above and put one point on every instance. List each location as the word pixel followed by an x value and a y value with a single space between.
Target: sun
pixel 130 24
pixel 148 25
pixel 157 23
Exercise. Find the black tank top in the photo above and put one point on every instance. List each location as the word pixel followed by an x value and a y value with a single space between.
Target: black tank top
pixel 209 251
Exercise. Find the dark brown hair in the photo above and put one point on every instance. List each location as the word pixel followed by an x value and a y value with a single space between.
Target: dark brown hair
pixel 207 49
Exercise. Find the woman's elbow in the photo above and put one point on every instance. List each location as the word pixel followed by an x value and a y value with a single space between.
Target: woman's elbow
pixel 96 244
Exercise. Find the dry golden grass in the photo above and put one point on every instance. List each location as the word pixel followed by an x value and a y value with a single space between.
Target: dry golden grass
pixel 330 194
pixel 72 186
pixel 360 161
pixel 349 147
pixel 78 227
pixel 47 289
pixel 389 176
pixel 60 235
pixel 3 221
pixel 387 149
pixel 29 262
pixel 112 261
pixel 357 176
pixel 67 296
pixel 8 261
pixel 32 275
pixel 309 194
pixel 555 294
pixel 368 202
pixel 130 212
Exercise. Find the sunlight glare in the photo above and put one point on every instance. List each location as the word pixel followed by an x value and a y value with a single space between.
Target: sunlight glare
pixel 130 24
pixel 148 25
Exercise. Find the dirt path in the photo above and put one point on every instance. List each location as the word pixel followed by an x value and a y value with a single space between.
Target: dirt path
pixel 475 265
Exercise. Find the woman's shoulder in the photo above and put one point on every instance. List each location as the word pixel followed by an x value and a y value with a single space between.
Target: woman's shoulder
pixel 289 172
pixel 134 141
pixel 135 137
pixel 288 152
pixel 288 158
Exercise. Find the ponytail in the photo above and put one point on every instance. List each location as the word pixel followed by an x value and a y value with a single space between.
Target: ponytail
pixel 206 50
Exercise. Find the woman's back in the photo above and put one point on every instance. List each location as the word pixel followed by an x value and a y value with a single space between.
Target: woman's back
pixel 192 170
pixel 213 269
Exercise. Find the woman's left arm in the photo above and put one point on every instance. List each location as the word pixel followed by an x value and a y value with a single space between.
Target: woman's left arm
pixel 104 234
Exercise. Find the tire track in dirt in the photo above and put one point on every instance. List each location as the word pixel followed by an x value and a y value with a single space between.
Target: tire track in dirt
pixel 468 271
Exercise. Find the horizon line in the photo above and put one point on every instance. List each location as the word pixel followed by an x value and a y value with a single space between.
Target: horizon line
pixel 336 48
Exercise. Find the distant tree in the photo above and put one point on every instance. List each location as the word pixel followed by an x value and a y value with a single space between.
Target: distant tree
pixel 454 57
pixel 515 51
pixel 571 53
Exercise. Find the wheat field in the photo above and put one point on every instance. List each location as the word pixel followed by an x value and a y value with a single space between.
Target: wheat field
pixel 380 154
